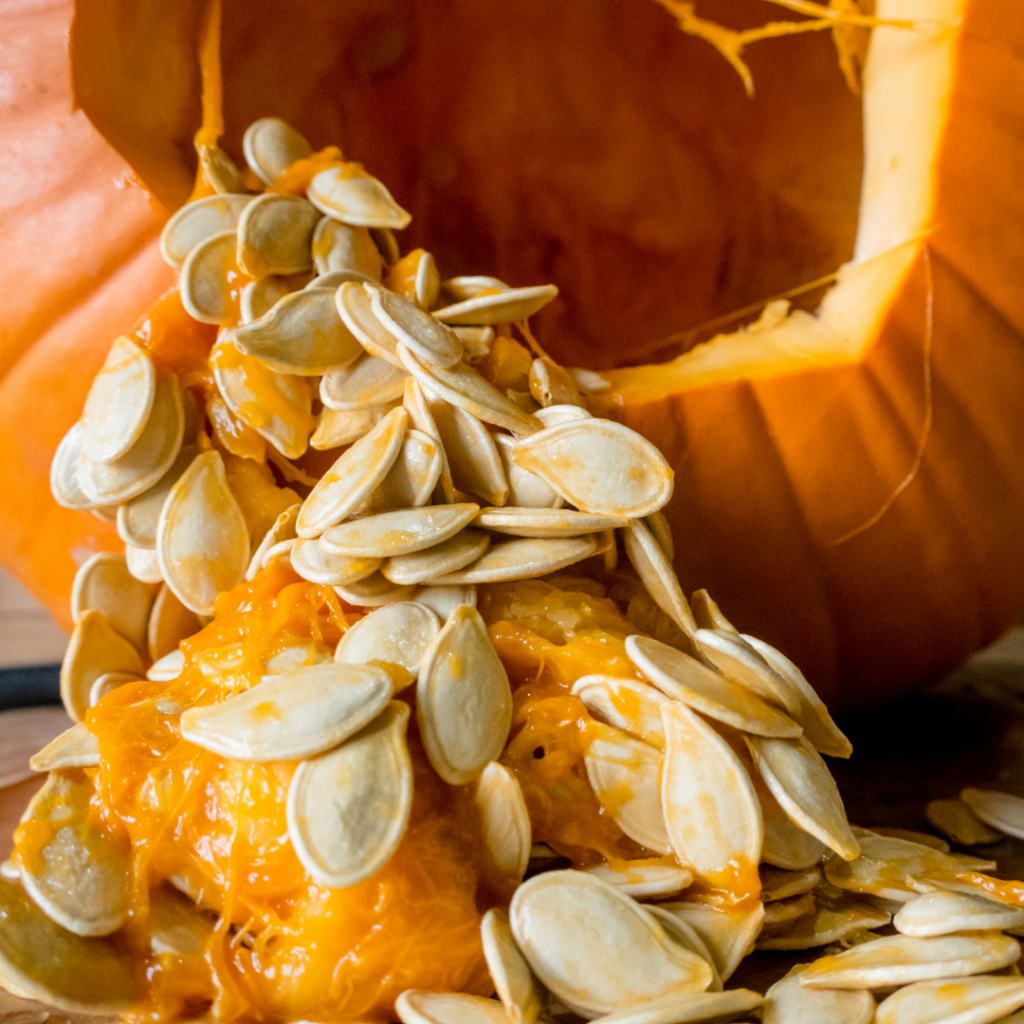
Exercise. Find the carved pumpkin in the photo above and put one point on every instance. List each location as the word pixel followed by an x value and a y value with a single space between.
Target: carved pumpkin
pixel 847 480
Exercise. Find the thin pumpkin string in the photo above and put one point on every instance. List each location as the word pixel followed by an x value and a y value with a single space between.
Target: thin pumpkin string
pixel 929 411
pixel 209 67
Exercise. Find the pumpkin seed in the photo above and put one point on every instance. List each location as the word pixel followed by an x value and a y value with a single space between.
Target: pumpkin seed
pixel 169 667
pixel 555 415
pixel 835 919
pixel 282 530
pixel 275 235
pixel 463 699
pixel 588 380
pixel 625 775
pixel 411 480
pixel 599 466
pixel 353 477
pixel 416 1006
pixel 336 278
pixel 341 247
pixel 472 455
pixel 626 704
pixel 554 917
pixel 260 297
pixel 779 911
pixel 786 845
pixel 220 171
pixel 301 334
pixel 921 838
pixel 686 680
pixel 942 913
pixel 449 556
pixel 108 682
pixel 476 341
pixel 280 552
pixel 297 714
pixel 503 307
pixel 272 146
pixel 711 810
pixel 397 634
pixel 64 485
pixel 374 592
pixel 901 959
pixel 361 202
pixel 355 307
pixel 95 648
pixel 148 459
pixel 966 1001
pixel 708 1007
pixel 41 960
pixel 469 285
pixel 143 564
pixel 103 583
pixel 10 871
pixel 137 519
pixel 202 539
pixel 727 932
pixel 1001 811
pixel 642 879
pixel 444 600
pixel 348 809
pixel 519 991
pixel 464 387
pixel 430 340
pixel 708 614
pixel 545 522
pixel 199 221
pixel 800 780
pixel 312 562
pixel 682 933
pixel 338 427
pixel 427 286
pixel 788 1002
pixel 811 713
pixel 204 285
pixel 525 489
pixel 657 575
pixel 551 385
pixel 79 877
pixel 504 820
pixel 415 402
pixel 523 560
pixel 76 747
pixel 732 655
pixel 780 884
pixel 388 534
pixel 368 384
pixel 119 402
pixel 955 819
pixel 177 926
pixel 658 527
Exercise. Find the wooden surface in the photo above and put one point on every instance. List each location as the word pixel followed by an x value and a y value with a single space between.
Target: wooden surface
pixel 28 634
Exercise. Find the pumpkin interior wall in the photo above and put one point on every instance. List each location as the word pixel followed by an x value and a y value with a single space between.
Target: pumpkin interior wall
pixel 585 142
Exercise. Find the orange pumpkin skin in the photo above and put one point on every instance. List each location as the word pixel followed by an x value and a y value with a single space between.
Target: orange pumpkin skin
pixel 553 155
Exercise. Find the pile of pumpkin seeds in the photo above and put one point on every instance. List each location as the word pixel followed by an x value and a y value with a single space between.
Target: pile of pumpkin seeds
pixel 708 756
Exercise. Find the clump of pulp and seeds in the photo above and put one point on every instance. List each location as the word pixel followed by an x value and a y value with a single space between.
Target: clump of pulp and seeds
pixel 391 729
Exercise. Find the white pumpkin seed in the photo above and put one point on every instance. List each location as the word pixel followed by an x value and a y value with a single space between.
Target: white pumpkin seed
pixel 143 564
pixel 337 427
pixel 626 704
pixel 198 221
pixel 503 307
pixel 444 600
pixel 204 285
pixel 788 1002
pixel 551 385
pixel 137 518
pixel 119 402
pixel 463 699
pixel 104 584
pixel 79 877
pixel 658 527
pixel 599 466
pixel 625 775
pixel 921 838
pixel 220 171
pixel 355 306
pixel 476 342
pixel 388 534
pixel 76 747
pixel 901 959
pixel 471 452
pixel 727 932
pixel 411 480
pixel 416 1006
pixel 644 879
pixel 275 235
pixel 467 286
pixel 374 592
pixel 519 991
pixel 297 714
pixel 525 489
pixel 780 911
pixel 554 917
pixel 167 668
pixel 657 575
pixel 708 614
pixel 260 297
pixel 95 649
pixel 780 884
pixel 428 282
pixel 545 522
pixel 282 530
pixel 686 680
pixel 64 485
pixel 202 539
pixel 397 634
pixel 177 926
pixel 449 556
pixel 272 146
pixel 554 415
pixel 955 819
pixel 965 1001
pixel 313 562
pixel 688 1008
pixel 384 239
pixel 367 384
pixel 786 845
pixel 942 913
pixel 10 871
pixel 362 202
pixel 711 810
pixel 41 960
pixel 523 560
pixel 426 337
pixel 148 459
pixel 108 682
pixel 801 782
pixel 731 654
pixel 348 809
pixel 301 334
pixel 835 919
pixel 295 652
pixel 1001 811
pixel 341 247
pixel 336 278
pixel 353 477
pixel 504 820
pixel 415 402
pixel 464 387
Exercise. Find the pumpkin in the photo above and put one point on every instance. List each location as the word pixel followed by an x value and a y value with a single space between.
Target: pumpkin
pixel 847 485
